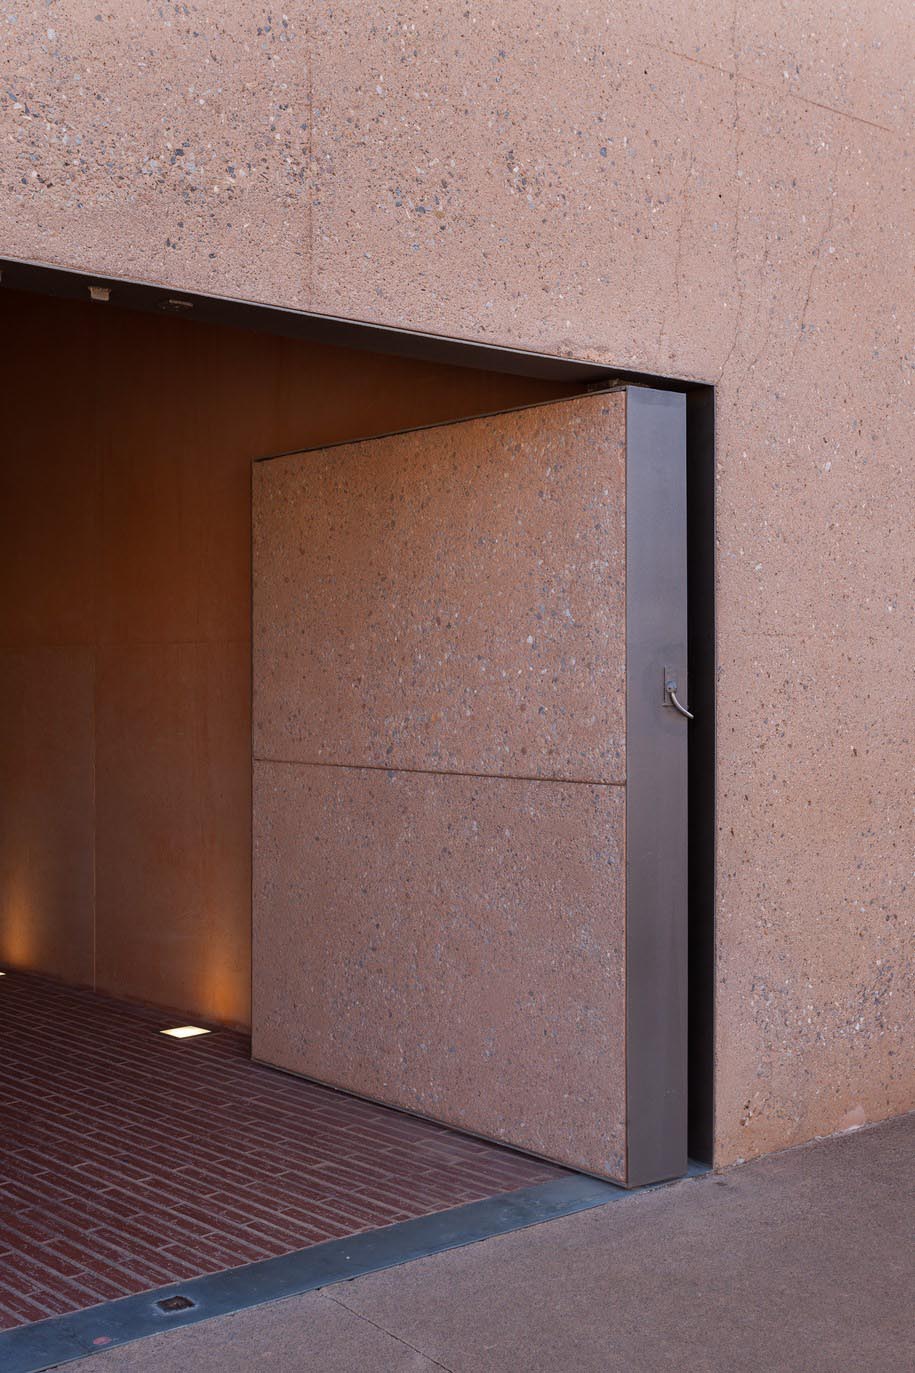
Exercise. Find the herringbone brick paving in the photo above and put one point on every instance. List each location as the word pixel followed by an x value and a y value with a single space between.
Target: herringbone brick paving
pixel 129 1160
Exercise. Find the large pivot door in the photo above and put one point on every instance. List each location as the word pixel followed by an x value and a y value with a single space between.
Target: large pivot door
pixel 470 775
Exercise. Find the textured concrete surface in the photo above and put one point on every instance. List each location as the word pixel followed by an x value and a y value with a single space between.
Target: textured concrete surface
pixel 847 994
pixel 436 616
pixel 711 190
pixel 125 601
pixel 799 1263
pixel 452 945
pixel 452 600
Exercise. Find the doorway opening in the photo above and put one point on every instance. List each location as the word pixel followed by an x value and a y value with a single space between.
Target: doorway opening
pixel 134 418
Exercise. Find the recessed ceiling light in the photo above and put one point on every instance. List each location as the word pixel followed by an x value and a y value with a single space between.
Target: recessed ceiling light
pixel 184 1031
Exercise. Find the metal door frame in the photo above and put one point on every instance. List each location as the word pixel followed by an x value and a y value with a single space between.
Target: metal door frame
pixel 657 751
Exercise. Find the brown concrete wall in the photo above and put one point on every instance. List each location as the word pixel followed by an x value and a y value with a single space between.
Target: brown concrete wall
pixel 716 191
pixel 125 731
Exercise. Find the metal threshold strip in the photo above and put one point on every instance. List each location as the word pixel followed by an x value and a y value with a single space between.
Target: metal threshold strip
pixel 60 1339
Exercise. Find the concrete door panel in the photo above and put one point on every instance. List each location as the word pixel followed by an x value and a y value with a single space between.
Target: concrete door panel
pixel 452 945
pixel 443 633
pixel 476 577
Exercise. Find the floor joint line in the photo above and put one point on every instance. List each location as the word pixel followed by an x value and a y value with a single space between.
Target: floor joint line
pixel 384 1331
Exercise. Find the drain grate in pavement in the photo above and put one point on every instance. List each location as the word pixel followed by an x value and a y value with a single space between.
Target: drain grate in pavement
pixel 178 1303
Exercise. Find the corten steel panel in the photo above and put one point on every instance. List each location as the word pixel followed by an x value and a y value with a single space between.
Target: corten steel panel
pixel 173 867
pixel 452 945
pixel 450 600
pixel 47 735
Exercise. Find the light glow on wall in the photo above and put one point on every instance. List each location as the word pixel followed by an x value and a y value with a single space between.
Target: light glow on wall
pixel 20 919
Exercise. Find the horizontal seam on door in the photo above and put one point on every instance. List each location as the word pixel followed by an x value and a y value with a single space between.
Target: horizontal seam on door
pixel 438 772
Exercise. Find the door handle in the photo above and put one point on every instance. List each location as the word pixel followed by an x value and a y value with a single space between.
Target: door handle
pixel 670 694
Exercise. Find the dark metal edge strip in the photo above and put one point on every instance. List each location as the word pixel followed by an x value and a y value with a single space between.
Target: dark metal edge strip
pixel 60 1339
pixel 657 744
pixel 333 330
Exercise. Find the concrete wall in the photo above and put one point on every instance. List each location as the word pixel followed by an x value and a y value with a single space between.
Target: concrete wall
pixel 714 191
pixel 125 655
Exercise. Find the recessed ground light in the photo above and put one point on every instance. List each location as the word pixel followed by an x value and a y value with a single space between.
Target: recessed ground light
pixel 185 1031
pixel 2 974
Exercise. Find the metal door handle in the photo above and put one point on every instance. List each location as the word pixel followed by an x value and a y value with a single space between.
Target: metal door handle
pixel 670 694
pixel 678 705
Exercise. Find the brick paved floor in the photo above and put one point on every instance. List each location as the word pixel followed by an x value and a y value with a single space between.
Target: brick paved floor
pixel 129 1160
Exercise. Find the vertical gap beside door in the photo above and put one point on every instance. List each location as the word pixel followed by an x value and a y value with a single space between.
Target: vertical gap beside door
pixel 700 503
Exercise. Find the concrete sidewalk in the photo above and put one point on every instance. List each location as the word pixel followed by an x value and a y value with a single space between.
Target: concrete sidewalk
pixel 799 1263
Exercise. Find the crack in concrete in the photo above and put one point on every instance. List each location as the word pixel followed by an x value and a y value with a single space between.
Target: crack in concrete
pixel 311 180
pixel 384 1331
pixel 818 251
pixel 767 247
pixel 776 90
pixel 735 236
pixel 681 228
